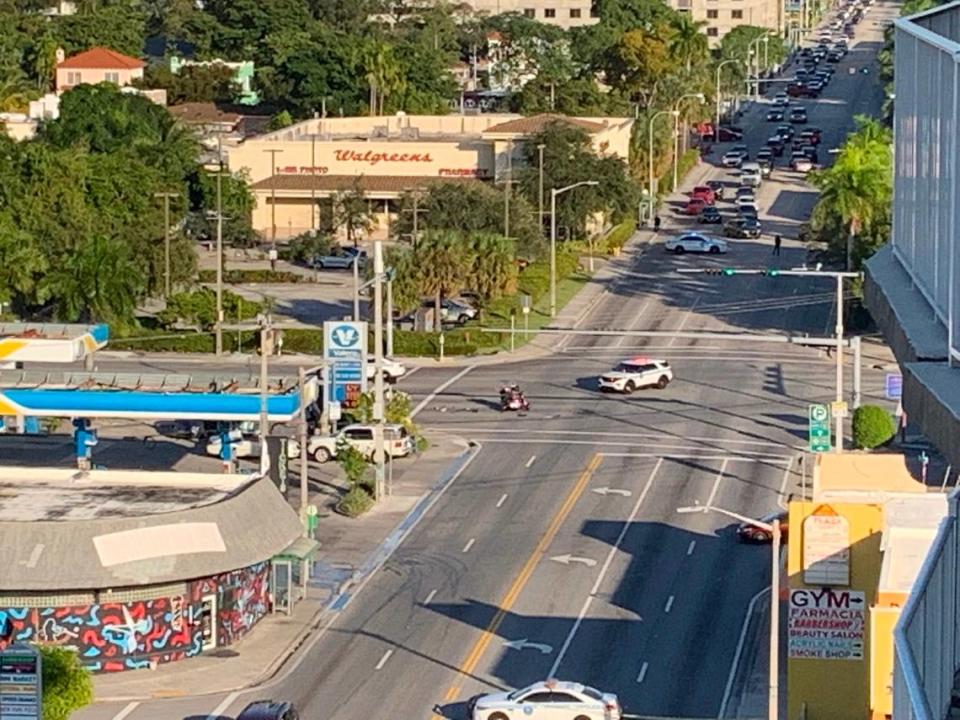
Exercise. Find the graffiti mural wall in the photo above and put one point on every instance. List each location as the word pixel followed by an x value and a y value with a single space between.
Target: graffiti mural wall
pixel 111 637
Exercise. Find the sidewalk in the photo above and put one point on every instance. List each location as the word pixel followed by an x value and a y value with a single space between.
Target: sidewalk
pixel 350 551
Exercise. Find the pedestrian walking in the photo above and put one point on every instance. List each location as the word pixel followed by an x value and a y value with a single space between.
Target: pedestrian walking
pixel 656 223
pixel 776 244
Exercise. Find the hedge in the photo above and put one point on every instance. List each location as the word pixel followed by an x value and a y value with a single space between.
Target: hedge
pixel 240 277
pixel 872 427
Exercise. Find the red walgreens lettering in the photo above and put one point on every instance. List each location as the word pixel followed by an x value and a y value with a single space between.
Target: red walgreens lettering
pixel 373 158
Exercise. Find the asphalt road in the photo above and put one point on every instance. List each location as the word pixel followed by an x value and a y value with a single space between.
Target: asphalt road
pixel 560 551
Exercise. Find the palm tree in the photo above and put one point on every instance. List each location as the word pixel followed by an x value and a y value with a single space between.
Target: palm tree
pixel 687 41
pixel 443 263
pixel 383 74
pixel 493 271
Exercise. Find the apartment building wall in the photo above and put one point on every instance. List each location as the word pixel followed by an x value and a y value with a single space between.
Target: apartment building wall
pixel 563 13
pixel 722 16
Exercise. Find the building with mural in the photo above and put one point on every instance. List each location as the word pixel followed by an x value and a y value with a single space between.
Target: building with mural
pixel 134 569
pixel 295 172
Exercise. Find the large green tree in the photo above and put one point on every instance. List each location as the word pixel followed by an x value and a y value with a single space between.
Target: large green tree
pixel 443 263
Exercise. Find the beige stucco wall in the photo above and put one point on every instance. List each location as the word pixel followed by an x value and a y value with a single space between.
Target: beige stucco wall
pixel 87 76
pixel 759 13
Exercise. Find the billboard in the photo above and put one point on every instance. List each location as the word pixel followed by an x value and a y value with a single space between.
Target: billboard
pixel 345 350
pixel 826 624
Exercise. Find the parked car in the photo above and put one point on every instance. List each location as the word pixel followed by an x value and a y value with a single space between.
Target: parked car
pixel 546 700
pixel 695 243
pixel 710 215
pixel 705 193
pixel 747 203
pixel 743 227
pixel 392 370
pixel 340 259
pixel 751 533
pixel 718 188
pixel 457 311
pixel 398 442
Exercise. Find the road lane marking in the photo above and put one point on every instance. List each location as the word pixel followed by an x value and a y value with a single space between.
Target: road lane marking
pixel 676 452
pixel 502 500
pixel 383 660
pixel 472 658
pixel 643 672
pixel 218 711
pixel 716 484
pixel 691 546
pixel 739 651
pixel 669 604
pixel 603 571
pixel 126 711
pixel 430 597
pixel 439 389
pixel 470 542
pixel 530 461
pixel 637 318
pixel 685 318
pixel 657 436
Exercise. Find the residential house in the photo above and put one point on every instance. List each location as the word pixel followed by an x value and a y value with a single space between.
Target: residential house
pixel 97 65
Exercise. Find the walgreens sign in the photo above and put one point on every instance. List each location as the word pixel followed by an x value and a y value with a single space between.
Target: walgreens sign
pixel 371 157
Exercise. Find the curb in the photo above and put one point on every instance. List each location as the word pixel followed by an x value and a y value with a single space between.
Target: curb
pixel 345 593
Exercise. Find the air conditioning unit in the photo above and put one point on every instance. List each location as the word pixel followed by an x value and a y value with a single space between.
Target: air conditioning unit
pixel 410 133
pixel 380 131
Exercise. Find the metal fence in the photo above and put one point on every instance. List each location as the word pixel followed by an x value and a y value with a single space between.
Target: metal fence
pixel 927 636
pixel 926 212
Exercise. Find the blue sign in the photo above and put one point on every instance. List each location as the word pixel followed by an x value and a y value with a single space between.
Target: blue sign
pixel 893 386
pixel 345 349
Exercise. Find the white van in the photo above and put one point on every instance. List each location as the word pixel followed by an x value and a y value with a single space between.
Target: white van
pixel 750 174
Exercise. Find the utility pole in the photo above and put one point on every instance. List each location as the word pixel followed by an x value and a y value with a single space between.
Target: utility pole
pixel 304 458
pixel 273 192
pixel 540 149
pixel 166 239
pixel 553 239
pixel 356 288
pixel 506 190
pixel 313 169
pixel 773 712
pixel 839 418
pixel 378 411
pixel 266 333
pixel 390 312
pixel 219 325
pixel 855 343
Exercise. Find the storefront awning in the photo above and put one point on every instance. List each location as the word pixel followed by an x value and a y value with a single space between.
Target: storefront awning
pixel 368 184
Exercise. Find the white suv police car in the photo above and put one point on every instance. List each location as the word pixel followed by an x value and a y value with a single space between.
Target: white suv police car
pixel 636 373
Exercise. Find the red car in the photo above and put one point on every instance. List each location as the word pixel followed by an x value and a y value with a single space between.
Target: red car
pixel 750 533
pixel 800 91
pixel 705 193
pixel 695 206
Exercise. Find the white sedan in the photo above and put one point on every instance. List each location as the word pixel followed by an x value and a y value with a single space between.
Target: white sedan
pixel 392 370
pixel 546 701
pixel 733 158
pixel 697 243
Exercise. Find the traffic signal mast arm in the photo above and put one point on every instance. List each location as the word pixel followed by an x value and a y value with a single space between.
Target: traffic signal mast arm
pixel 769 272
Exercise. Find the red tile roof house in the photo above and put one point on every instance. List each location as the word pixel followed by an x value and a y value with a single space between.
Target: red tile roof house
pixel 97 65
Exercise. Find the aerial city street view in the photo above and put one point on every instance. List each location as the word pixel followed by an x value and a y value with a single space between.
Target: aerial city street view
pixel 554 359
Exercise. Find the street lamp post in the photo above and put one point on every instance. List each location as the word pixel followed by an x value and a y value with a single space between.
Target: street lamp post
pixel 653 194
pixel 773 697
pixel 755 63
pixel 273 193
pixel 676 132
pixel 554 192
pixel 540 149
pixel 716 127
pixel 166 238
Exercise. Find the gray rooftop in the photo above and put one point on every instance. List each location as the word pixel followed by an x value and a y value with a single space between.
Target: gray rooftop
pixel 66 530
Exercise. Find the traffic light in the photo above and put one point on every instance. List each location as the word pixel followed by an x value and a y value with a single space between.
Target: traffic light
pixel 729 271
pixel 719 271
pixel 772 272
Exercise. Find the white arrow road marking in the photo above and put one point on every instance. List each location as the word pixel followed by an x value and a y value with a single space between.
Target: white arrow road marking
pixel 643 672
pixel 383 660
pixel 669 604
pixel 612 491
pixel 503 499
pixel 531 460
pixel 126 711
pixel 430 597
pixel 524 644
pixel 567 559
pixel 691 546
pixel 466 548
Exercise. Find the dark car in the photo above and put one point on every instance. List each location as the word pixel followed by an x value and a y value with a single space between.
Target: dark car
pixel 798 90
pixel 810 137
pixel 756 534
pixel 834 57
pixel 776 145
pixel 710 216
pixel 269 710
pixel 798 117
pixel 717 186
pixel 811 152
pixel 774 115
pixel 742 227
pixel 730 133
pixel 785 132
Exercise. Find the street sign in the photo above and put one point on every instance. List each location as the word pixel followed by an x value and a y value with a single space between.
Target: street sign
pixel 21 683
pixel 838 408
pixel 893 386
pixel 345 349
pixel 826 624
pixel 819 428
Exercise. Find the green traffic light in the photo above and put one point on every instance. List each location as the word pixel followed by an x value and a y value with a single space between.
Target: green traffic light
pixel 729 271
pixel 772 272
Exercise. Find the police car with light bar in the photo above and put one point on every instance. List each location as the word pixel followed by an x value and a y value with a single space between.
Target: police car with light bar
pixel 637 373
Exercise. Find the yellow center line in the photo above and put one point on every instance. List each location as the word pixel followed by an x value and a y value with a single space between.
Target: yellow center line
pixel 470 662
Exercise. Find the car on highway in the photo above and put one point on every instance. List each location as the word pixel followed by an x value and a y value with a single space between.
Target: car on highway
pixel 798 117
pixel 766 163
pixel 813 135
pixel 786 132
pixel 733 158
pixel 781 99
pixel 695 242
pixel 799 89
pixel 755 534
pixel 775 144
pixel 636 373
pixel 392 369
pixel 774 115
pixel 718 187
pixel 340 258
pixel 710 215
pixel 744 191
pixel 741 228
pixel 800 162
pixel 811 152
pixel 750 174
pixel 547 700
pixel 695 206
pixel 398 442
pixel 269 710
pixel 748 211
pixel 705 193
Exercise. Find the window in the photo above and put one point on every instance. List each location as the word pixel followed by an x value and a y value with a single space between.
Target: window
pixel 736 14
pixel 112 77
pixel 574 12
pixel 559 697
pixel 529 12
pixel 713 14
pixel 73 78
pixel 712 32
pixel 540 697
pixel 549 13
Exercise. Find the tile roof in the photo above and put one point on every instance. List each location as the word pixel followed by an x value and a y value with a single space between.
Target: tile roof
pixel 367 183
pixel 536 123
pixel 199 112
pixel 101 58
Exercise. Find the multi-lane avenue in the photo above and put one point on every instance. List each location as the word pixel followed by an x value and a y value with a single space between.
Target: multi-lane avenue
pixel 559 550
